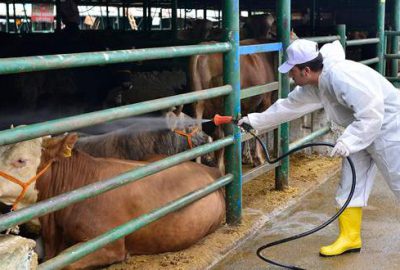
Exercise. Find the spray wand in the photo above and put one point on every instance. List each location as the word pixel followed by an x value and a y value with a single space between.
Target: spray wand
pixel 220 120
pixel 225 119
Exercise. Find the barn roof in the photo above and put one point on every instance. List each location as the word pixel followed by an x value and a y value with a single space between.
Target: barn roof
pixel 216 4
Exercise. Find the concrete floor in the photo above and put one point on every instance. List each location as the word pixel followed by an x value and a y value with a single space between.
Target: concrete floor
pixel 380 234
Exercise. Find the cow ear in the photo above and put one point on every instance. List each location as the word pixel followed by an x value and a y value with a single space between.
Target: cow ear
pixel 270 19
pixel 293 36
pixel 69 143
pixel 171 120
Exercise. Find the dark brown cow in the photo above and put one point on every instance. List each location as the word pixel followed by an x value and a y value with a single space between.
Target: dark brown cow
pixel 206 71
pixel 85 220
pixel 139 141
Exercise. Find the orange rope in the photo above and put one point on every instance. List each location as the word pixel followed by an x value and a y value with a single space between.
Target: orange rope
pixel 187 135
pixel 24 185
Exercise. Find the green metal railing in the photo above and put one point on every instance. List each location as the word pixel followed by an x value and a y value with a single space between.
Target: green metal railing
pixel 394 57
pixel 232 181
pixel 49 62
pixel 283 19
pixel 324 39
pixel 233 153
pixel 29 64
pixel 380 30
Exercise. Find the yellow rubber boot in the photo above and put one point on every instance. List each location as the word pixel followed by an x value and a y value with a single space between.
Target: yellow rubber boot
pixel 349 239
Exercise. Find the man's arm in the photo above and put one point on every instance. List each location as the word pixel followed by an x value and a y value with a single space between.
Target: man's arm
pixel 300 101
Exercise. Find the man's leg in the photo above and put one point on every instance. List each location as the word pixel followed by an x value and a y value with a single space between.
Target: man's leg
pixel 386 155
pixel 349 239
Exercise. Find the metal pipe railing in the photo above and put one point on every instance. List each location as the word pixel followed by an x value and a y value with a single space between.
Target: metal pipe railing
pixel 310 137
pixel 323 39
pixel 283 19
pixel 78 251
pixel 231 76
pixel 392 56
pixel 258 90
pixel 380 32
pixel 394 64
pixel 59 61
pixel 392 33
pixel 88 119
pixel 364 41
pixel 80 194
pixel 370 61
pixel 393 79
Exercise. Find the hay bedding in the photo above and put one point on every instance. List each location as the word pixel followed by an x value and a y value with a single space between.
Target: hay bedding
pixel 259 199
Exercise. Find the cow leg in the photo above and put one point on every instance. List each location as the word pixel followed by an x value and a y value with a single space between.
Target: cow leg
pixel 246 153
pixel 220 154
pixel 112 253
pixel 199 110
pixel 259 153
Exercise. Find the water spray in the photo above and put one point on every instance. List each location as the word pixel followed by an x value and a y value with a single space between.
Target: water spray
pixel 221 120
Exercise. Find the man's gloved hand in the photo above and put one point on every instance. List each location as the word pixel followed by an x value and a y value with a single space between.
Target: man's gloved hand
pixel 243 120
pixel 340 149
pixel 244 123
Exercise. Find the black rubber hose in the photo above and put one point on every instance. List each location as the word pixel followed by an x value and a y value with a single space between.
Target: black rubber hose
pixel 297 236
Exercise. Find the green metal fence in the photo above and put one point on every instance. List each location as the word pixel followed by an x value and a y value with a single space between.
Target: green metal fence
pixel 394 57
pixel 232 180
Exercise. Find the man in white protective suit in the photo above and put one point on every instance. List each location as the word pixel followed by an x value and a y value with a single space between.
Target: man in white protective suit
pixel 364 103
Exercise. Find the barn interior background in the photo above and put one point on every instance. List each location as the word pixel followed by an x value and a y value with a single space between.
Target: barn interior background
pixel 37 29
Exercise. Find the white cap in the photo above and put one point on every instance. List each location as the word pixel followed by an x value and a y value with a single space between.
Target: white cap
pixel 299 52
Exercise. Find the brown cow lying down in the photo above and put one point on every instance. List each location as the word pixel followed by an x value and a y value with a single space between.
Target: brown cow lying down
pixel 139 141
pixel 90 218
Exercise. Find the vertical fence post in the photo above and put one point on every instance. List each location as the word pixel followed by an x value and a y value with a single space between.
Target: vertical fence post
pixel 124 15
pixel 283 19
pixel 15 17
pixel 58 16
pixel 149 17
pixel 108 25
pixel 233 156
pixel 380 31
pixel 395 38
pixel 341 30
pixel 7 17
pixel 313 16
pixel 174 26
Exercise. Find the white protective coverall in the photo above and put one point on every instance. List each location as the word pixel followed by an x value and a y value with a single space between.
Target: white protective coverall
pixel 366 104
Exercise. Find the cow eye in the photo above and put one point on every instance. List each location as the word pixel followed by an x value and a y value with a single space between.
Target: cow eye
pixel 21 162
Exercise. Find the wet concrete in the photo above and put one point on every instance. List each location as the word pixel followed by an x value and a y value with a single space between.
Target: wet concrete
pixel 380 234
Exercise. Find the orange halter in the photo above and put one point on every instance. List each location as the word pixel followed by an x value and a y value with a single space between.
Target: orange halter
pixel 187 135
pixel 24 185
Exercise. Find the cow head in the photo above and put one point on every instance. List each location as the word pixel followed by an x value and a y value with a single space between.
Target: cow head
pixel 260 26
pixel 200 28
pixel 20 160
pixel 23 160
pixel 187 126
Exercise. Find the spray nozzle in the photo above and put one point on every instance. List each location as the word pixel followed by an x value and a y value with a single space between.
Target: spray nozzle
pixel 223 119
